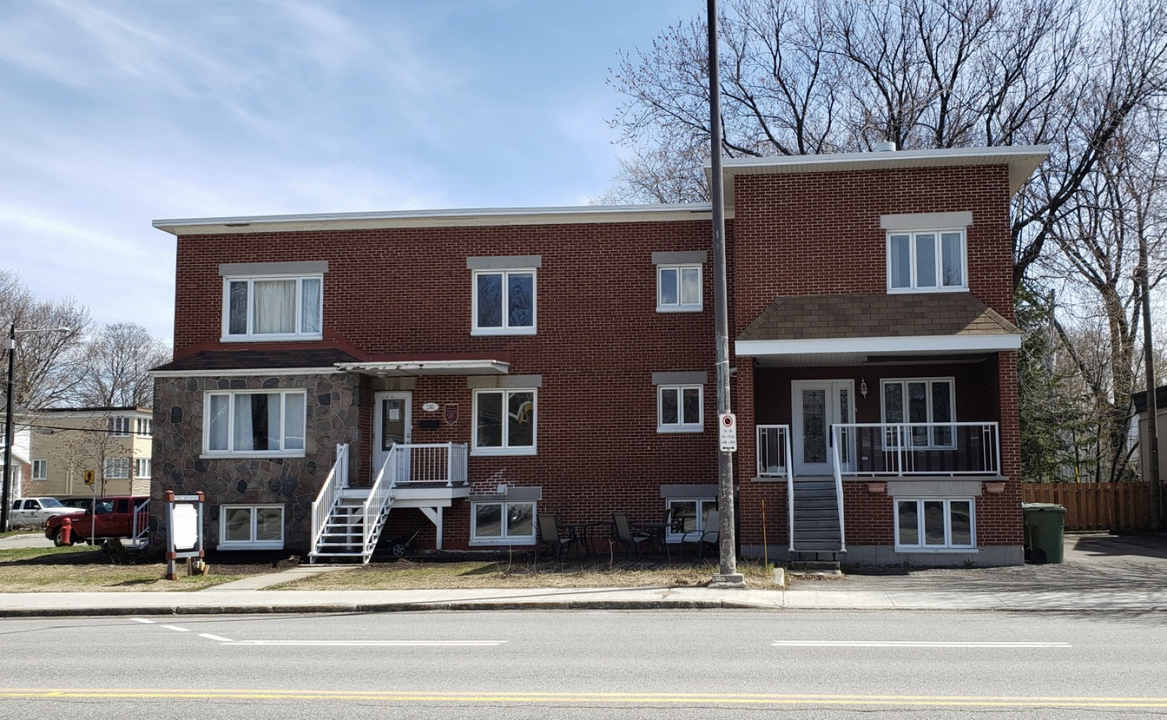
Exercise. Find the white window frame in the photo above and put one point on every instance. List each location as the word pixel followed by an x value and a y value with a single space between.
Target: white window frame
pixel 914 285
pixel 891 440
pixel 948 545
pixel 40 469
pixel 119 425
pixel 142 468
pixel 143 427
pixel 249 335
pixel 284 450
pixel 704 504
pixel 506 328
pixel 117 468
pixel 680 426
pixel 251 543
pixel 679 270
pixel 505 538
pixel 505 448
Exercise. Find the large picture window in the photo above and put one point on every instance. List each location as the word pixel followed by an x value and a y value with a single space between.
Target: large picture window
pixel 502 523
pixel 116 468
pixel 504 302
pixel 688 515
pixel 924 261
pixel 935 524
pixel 251 527
pixel 679 408
pixel 272 308
pixel 926 404
pixel 504 422
pixel 260 424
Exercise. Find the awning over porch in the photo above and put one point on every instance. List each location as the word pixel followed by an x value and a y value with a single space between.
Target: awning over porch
pixel 853 329
pixel 412 365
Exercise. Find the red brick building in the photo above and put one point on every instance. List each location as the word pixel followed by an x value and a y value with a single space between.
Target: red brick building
pixel 464 371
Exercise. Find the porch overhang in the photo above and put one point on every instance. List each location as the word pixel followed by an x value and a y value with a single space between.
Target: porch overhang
pixel 416 366
pixel 856 351
pixel 857 329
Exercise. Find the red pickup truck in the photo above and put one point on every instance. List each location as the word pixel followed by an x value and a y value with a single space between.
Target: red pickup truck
pixel 110 517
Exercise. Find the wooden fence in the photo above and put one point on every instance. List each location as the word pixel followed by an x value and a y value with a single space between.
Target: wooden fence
pixel 1114 507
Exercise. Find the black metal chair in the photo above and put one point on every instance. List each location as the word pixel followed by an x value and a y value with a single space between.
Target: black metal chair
pixel 552 539
pixel 624 534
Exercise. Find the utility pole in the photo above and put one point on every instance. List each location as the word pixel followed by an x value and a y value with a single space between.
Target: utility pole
pixel 728 575
pixel 10 346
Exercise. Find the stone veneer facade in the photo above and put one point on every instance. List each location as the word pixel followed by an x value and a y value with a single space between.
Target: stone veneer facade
pixel 333 418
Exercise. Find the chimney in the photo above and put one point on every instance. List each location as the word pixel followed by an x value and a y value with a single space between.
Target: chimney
pixel 885 146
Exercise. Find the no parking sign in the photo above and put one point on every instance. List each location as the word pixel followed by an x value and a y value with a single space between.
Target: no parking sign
pixel 727 423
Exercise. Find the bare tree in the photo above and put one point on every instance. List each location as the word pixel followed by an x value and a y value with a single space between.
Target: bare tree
pixel 117 360
pixel 47 364
pixel 836 75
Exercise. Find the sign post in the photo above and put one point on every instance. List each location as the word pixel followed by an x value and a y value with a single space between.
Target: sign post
pixel 184 530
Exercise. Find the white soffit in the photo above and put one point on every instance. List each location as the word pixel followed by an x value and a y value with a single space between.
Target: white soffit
pixel 878 345
pixel 470 217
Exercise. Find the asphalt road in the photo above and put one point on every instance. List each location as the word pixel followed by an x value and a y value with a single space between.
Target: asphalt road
pixel 591 664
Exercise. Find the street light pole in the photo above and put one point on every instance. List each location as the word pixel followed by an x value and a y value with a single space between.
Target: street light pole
pixel 10 346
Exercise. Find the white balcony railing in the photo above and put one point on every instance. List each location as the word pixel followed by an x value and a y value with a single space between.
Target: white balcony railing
pixel 427 463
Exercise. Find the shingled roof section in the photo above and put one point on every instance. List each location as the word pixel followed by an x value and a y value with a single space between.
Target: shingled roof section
pixel 259 359
pixel 826 317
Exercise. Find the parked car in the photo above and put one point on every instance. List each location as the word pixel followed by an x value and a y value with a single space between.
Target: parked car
pixel 110 517
pixel 36 511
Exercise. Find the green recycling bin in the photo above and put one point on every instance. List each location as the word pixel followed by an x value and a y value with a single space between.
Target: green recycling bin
pixel 1045 525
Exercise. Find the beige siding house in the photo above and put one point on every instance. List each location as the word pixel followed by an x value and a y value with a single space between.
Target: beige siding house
pixel 114 443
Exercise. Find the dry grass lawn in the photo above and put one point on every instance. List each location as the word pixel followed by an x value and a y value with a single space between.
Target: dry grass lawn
pixel 84 569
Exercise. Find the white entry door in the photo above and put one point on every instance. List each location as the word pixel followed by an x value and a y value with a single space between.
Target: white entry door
pixel 817 405
pixel 391 426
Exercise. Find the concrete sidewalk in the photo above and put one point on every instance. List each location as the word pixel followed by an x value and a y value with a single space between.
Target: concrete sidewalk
pixel 1101 573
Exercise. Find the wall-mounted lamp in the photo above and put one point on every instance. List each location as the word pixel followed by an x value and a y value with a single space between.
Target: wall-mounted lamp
pixel 863 387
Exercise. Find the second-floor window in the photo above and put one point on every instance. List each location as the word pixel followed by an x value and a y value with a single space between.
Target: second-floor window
pixel 272 308
pixel 40 469
pixel 142 468
pixel 926 261
pixel 678 288
pixel 504 302
pixel 679 408
pixel 120 426
pixel 142 427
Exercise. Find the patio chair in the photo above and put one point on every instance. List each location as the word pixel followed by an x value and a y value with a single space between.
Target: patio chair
pixel 552 539
pixel 709 534
pixel 632 540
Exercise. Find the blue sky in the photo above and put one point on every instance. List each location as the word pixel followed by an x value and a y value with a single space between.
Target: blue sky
pixel 114 113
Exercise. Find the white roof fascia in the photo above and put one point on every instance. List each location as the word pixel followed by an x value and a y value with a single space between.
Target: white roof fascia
pixel 246 372
pixel 874 345
pixel 1021 159
pixel 472 217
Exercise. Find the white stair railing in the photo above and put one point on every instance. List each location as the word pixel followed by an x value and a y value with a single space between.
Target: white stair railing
pixel 140 523
pixel 839 439
pixel 329 495
pixel 376 506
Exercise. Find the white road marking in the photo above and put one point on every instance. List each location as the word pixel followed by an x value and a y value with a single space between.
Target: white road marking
pixel 917 643
pixel 143 620
pixel 215 637
pixel 371 643
pixel 176 628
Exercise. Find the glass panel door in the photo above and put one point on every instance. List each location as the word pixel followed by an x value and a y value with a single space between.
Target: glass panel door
pixel 818 405
pixel 392 426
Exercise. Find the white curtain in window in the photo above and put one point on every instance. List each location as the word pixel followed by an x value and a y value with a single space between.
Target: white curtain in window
pixel 217 413
pixel 310 305
pixel 244 437
pixel 293 422
pixel 275 306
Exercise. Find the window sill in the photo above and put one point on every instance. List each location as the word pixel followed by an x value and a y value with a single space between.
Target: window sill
pixel 494 332
pixel 502 542
pixel 679 308
pixel 270 338
pixel 675 429
pixel 251 455
pixel 266 545
pixel 935 550
pixel 502 452
pixel 925 290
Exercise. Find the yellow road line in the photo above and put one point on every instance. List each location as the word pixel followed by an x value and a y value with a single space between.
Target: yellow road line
pixel 595 698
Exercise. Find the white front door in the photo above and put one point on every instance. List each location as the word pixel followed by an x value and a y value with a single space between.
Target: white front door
pixel 391 426
pixel 817 405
